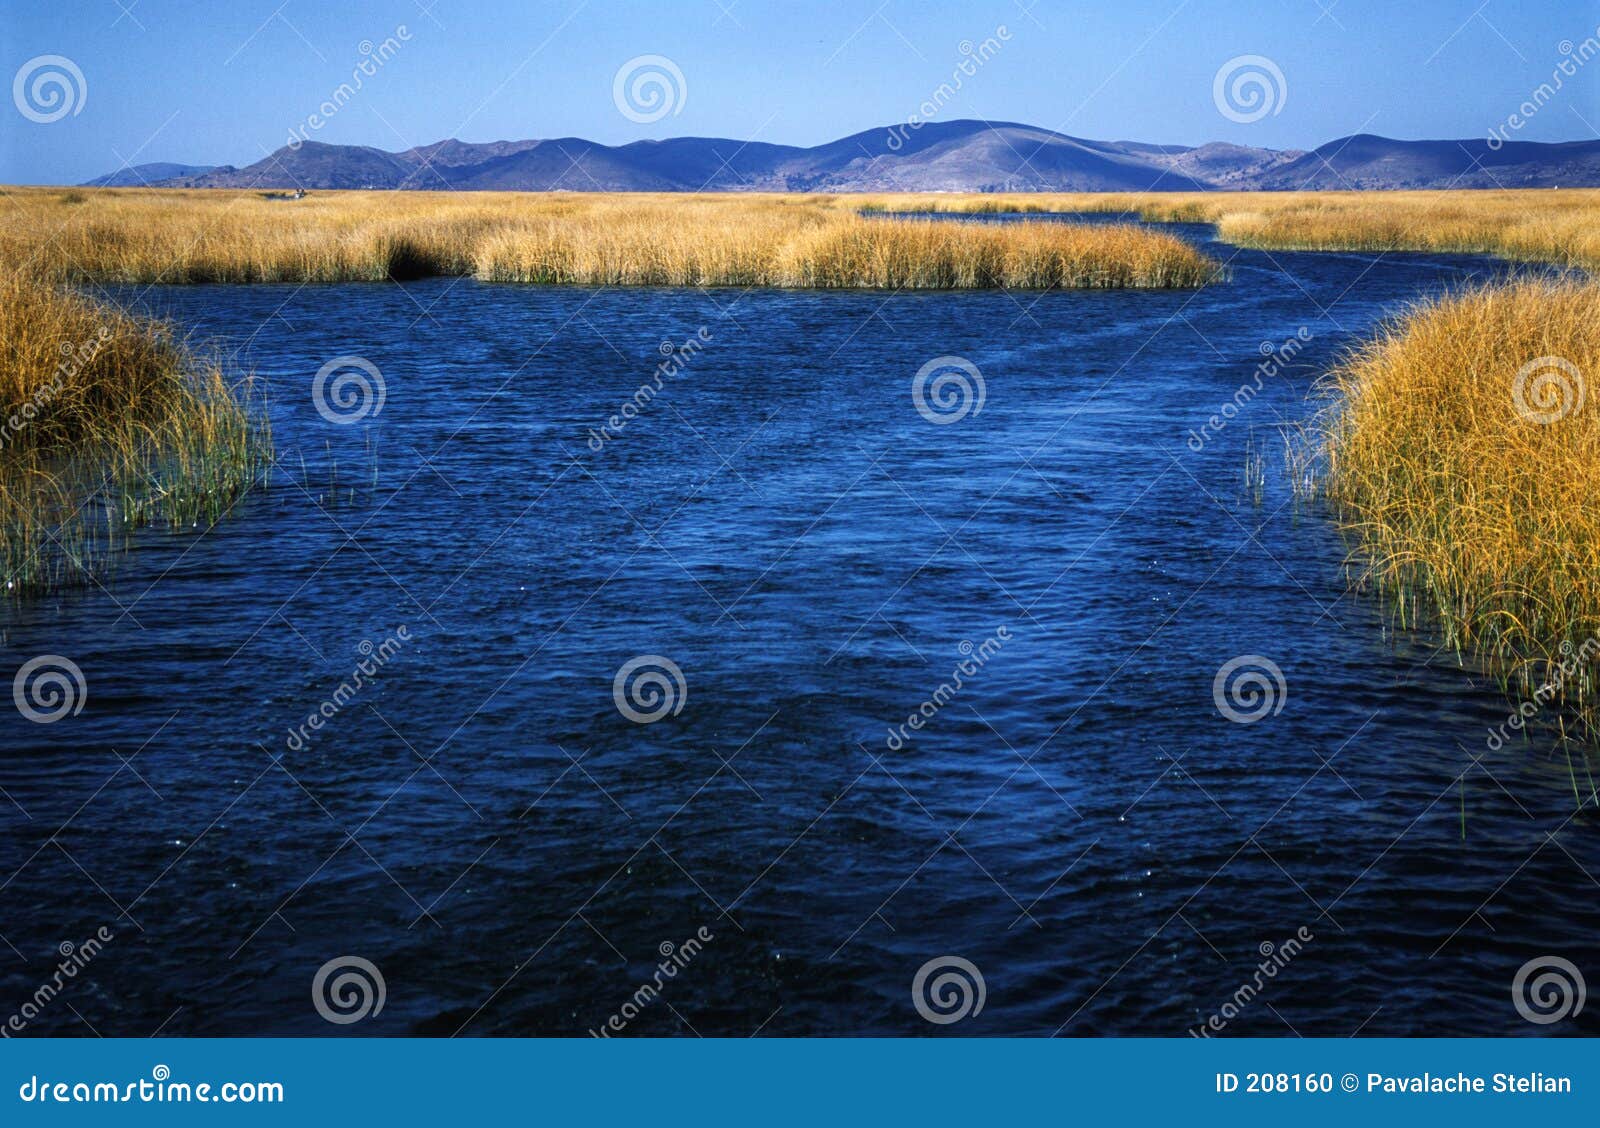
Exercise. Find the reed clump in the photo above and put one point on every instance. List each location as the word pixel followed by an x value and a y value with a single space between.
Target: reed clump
pixel 1556 227
pixel 1465 456
pixel 844 252
pixel 107 423
pixel 1543 225
pixel 172 236
pixel 917 254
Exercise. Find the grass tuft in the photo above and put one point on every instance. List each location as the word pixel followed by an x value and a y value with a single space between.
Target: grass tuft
pixel 107 424
pixel 1465 457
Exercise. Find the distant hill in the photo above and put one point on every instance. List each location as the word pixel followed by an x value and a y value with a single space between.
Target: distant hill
pixel 1368 161
pixel 135 176
pixel 955 156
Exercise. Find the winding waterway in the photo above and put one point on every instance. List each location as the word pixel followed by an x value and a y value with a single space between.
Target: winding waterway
pixel 1114 845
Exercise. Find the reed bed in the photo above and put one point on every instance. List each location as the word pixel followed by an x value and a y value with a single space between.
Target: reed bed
pixel 843 252
pixel 1465 455
pixel 1544 225
pixel 177 236
pixel 144 236
pixel 106 424
pixel 1556 227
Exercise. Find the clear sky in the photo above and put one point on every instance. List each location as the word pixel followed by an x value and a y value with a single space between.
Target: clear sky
pixel 213 82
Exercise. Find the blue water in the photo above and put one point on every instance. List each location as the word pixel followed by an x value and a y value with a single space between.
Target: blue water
pixel 482 823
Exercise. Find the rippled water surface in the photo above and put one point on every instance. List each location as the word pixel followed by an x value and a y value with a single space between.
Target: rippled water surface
pixel 1078 818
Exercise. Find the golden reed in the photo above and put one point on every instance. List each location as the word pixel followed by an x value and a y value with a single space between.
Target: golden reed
pixel 171 236
pixel 1540 225
pixel 106 423
pixel 1464 453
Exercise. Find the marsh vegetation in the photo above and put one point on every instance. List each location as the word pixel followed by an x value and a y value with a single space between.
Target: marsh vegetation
pixel 1467 512
pixel 170 236
pixel 1464 455
pixel 107 423
pixel 1555 226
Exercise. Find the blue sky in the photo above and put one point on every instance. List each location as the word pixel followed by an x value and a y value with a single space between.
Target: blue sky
pixel 207 82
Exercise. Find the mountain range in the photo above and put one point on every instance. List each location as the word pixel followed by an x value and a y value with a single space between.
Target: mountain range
pixel 955 156
pixel 136 175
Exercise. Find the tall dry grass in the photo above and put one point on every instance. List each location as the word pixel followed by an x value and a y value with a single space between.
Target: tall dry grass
pixel 134 235
pixel 1544 225
pixel 1465 455
pixel 106 424
pixel 168 235
pixel 838 251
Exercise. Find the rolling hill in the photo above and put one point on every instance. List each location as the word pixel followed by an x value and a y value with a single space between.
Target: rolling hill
pixel 955 156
